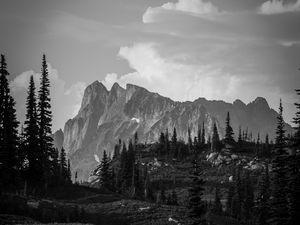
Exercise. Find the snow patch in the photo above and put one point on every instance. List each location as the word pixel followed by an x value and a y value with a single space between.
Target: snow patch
pixel 144 208
pixel 135 119
pixel 173 220
pixel 97 158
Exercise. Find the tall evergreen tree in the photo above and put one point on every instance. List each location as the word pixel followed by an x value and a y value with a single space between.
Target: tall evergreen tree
pixel 279 203
pixel 215 143
pixel 45 119
pixel 228 131
pixel 34 172
pixel 8 132
pixel 196 205
pixel 174 143
pixel 103 172
pixel 63 166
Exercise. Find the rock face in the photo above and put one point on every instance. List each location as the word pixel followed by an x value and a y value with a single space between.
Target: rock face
pixel 58 139
pixel 106 116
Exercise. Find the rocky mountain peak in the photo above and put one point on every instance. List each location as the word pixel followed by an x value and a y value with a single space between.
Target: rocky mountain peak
pixel 239 103
pixel 260 102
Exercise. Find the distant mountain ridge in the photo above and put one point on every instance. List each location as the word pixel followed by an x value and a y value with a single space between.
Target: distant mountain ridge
pixel 106 116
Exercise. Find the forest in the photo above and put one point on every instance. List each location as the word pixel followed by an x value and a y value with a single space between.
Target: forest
pixel 214 180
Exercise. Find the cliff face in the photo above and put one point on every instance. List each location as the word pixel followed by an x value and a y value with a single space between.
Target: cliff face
pixel 106 116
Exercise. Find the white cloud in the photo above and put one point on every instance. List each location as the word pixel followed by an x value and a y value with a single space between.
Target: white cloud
pixel 193 7
pixel 289 43
pixel 184 81
pixel 278 6
pixel 77 91
pixel 62 101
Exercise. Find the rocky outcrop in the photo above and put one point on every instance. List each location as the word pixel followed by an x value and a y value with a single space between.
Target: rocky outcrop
pixel 106 116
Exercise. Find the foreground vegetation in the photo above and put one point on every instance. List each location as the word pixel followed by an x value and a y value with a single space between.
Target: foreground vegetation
pixel 204 180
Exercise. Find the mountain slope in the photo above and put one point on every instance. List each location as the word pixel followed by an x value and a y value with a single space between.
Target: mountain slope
pixel 106 116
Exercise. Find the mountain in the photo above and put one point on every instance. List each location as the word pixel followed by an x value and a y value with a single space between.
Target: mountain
pixel 58 139
pixel 106 116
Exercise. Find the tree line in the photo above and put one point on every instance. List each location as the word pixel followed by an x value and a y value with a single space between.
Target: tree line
pixel 28 159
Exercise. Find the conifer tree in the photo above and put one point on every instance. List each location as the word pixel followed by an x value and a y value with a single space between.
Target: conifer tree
pixel 34 172
pixel 228 131
pixel 167 142
pixel 196 205
pixel 69 172
pixel 279 203
pixel 215 143
pixel 104 175
pixel 199 137
pixel 63 166
pixel 174 143
pixel 248 203
pixel 8 132
pixel 44 120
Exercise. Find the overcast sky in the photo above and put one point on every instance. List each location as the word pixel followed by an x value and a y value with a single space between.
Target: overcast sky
pixel 183 49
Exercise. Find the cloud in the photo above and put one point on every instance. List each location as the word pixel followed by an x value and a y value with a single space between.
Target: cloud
pixel 289 43
pixel 192 7
pixel 63 102
pixel 278 7
pixel 77 91
pixel 184 81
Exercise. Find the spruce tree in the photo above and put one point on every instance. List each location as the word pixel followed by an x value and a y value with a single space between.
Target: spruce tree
pixel 44 120
pixel 34 172
pixel 63 166
pixel 228 131
pixel 174 143
pixel 279 203
pixel 215 143
pixel 196 206
pixel 104 175
pixel 8 132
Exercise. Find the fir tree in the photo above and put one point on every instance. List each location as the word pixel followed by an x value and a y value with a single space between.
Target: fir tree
pixel 215 143
pixel 8 132
pixel 196 205
pixel 34 173
pixel 248 203
pixel 45 119
pixel 104 175
pixel 63 166
pixel 279 204
pixel 174 143
pixel 228 131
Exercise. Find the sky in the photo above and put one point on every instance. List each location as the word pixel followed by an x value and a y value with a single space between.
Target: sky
pixel 182 49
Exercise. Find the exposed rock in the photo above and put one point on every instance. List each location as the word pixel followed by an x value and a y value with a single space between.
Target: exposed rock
pixel 106 116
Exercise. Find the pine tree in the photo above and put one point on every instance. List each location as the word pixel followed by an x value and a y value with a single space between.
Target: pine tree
pixel 167 142
pixel 296 121
pixel 196 205
pixel 199 137
pixel 34 173
pixel 45 119
pixel 8 133
pixel 279 203
pixel 215 143
pixel 63 166
pixel 103 172
pixel 174 143
pixel 69 172
pixel 228 131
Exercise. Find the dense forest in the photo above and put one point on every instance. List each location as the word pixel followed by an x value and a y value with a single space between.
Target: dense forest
pixel 247 180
